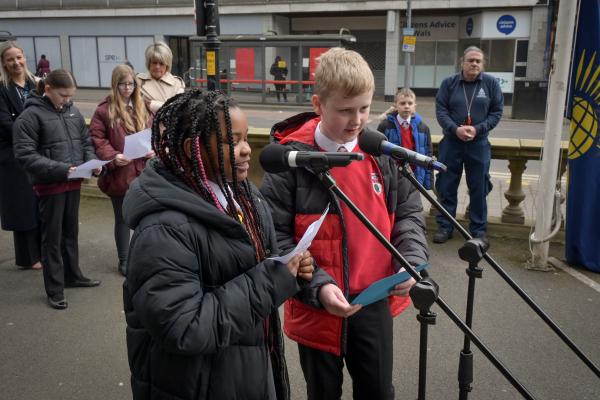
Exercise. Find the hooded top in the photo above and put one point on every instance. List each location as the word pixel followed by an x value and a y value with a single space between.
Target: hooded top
pixel 201 313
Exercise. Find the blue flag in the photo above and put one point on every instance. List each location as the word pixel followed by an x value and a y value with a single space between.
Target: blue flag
pixel 583 199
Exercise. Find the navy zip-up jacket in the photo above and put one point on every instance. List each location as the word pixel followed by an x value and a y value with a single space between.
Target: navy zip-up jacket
pixel 486 109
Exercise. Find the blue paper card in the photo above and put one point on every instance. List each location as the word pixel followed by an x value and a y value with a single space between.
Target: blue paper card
pixel 381 289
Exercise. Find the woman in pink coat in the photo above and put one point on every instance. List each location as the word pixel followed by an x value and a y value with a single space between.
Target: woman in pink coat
pixel 122 113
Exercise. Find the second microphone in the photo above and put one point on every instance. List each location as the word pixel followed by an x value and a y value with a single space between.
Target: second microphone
pixel 277 158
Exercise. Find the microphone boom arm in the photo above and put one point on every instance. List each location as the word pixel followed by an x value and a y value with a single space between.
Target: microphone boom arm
pixel 407 172
pixel 331 185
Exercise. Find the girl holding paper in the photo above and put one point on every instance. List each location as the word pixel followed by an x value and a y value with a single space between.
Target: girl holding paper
pixel 50 139
pixel 122 113
pixel 201 296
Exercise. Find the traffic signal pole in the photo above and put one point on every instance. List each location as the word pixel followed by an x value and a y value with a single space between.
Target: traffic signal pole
pixel 207 22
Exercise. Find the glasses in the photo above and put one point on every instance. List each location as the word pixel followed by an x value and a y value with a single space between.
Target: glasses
pixel 125 85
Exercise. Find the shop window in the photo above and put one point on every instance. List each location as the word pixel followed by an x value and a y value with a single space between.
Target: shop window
pixel 432 62
pixel 502 53
pixel 84 61
pixel 445 61
pixel 424 70
pixel 425 53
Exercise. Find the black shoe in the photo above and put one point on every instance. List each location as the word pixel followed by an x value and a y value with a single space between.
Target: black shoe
pixel 83 282
pixel 483 237
pixel 441 236
pixel 58 301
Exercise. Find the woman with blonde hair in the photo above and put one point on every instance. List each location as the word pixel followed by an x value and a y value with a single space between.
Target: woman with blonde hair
pixel 18 203
pixel 122 113
pixel 158 84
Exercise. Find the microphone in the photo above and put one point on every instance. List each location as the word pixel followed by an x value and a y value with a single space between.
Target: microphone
pixel 277 158
pixel 375 143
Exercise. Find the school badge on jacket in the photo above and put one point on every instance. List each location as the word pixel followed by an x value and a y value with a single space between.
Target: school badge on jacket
pixel 377 186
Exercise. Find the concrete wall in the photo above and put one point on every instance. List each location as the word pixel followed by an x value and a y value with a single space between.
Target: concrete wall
pixel 537 43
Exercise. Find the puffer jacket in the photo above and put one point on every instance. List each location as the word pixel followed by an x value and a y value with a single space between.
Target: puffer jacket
pixel 109 140
pixel 422 137
pixel 297 198
pixel 47 141
pixel 196 302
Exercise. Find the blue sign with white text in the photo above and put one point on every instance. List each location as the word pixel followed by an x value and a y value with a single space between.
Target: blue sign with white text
pixel 506 24
pixel 469 26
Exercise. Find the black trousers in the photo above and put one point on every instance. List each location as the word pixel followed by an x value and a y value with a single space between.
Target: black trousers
pixel 59 215
pixel 369 359
pixel 281 90
pixel 121 229
pixel 27 247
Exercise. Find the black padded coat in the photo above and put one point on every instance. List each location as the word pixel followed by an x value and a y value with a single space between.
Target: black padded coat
pixel 18 202
pixel 201 314
pixel 47 141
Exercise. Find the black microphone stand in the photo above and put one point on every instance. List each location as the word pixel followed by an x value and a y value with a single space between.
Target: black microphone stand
pixel 472 252
pixel 425 294
pixel 466 375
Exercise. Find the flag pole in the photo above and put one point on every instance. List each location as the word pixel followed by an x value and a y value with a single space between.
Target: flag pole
pixel 555 111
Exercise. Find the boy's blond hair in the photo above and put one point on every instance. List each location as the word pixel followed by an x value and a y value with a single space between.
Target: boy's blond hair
pixel 405 92
pixel 342 70
pixel 402 92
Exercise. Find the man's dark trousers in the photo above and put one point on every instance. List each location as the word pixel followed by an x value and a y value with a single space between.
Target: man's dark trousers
pixel 475 156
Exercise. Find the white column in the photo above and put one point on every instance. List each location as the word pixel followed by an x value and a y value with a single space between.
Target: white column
pixel 392 48
pixel 557 93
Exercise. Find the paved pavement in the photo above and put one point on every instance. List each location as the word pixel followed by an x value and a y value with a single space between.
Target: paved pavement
pixel 80 353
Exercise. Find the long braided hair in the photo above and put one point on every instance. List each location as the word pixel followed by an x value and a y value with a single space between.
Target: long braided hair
pixel 195 115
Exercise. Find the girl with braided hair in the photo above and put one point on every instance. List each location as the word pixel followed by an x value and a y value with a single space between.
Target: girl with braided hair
pixel 200 295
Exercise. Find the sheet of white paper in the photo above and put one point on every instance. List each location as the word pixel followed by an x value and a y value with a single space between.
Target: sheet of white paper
pixel 306 239
pixel 138 144
pixel 85 170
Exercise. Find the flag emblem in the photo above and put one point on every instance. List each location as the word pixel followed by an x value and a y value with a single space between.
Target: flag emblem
pixel 584 121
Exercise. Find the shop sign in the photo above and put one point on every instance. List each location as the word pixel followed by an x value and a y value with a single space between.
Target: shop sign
pixel 500 25
pixel 408 44
pixel 433 28
pixel 505 80
pixel 506 24
pixel 469 26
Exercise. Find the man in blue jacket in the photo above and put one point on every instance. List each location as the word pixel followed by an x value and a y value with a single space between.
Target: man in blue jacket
pixel 468 106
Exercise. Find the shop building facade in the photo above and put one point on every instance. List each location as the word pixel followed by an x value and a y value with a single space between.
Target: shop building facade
pixel 90 37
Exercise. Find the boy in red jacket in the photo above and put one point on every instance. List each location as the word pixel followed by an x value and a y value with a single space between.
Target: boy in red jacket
pixel 330 331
